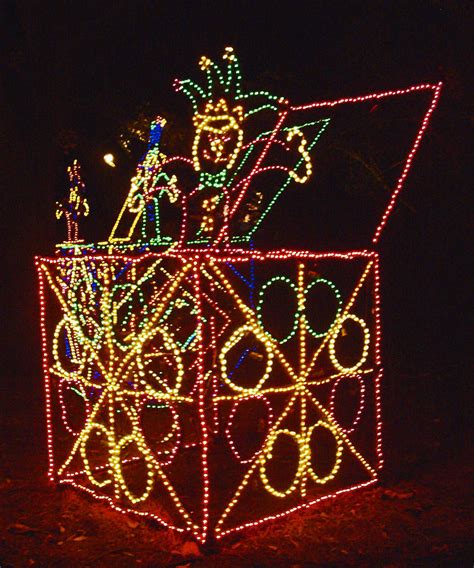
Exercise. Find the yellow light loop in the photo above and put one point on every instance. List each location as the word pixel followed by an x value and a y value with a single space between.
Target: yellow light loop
pixel 116 462
pixel 83 450
pixel 304 153
pixel 365 349
pixel 238 334
pixel 267 455
pixel 172 350
pixel 339 449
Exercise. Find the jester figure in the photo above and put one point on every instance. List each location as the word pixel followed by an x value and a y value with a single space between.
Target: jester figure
pixel 75 205
pixel 223 188
pixel 238 141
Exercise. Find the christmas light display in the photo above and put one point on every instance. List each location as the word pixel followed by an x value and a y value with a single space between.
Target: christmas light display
pixel 195 380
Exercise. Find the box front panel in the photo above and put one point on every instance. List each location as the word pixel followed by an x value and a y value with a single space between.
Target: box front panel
pixel 293 370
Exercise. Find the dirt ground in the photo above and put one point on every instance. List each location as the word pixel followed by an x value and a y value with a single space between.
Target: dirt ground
pixel 418 515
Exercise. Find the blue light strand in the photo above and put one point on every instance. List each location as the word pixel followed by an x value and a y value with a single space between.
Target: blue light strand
pixel 240 361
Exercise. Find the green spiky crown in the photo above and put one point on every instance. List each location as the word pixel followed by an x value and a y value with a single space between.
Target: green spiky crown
pixel 225 80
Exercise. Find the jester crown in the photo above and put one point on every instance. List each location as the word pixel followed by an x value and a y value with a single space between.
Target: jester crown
pixel 221 84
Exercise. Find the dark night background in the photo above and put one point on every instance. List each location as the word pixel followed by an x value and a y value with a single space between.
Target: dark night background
pixel 89 67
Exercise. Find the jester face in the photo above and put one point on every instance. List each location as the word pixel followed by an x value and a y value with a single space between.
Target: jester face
pixel 218 138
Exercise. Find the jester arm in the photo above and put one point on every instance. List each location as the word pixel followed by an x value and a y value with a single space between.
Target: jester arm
pixel 300 157
pixel 293 146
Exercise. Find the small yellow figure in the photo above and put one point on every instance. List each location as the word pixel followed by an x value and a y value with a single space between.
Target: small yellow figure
pixel 75 205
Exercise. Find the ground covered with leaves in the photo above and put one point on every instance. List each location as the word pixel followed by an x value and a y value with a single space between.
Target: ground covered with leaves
pixel 420 514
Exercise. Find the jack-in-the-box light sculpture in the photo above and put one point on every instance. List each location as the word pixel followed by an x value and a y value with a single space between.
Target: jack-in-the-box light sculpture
pixel 193 379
